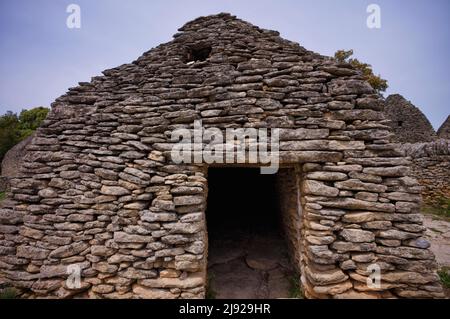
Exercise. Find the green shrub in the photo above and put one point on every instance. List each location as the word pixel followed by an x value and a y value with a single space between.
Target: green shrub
pixel 376 81
pixel 15 128
pixel 440 207
pixel 210 293
pixel 8 293
pixel 444 275
pixel 295 290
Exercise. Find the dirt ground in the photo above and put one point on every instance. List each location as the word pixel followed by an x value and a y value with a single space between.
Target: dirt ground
pixel 438 233
pixel 243 266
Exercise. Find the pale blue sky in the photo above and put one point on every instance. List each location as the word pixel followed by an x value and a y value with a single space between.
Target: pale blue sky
pixel 40 57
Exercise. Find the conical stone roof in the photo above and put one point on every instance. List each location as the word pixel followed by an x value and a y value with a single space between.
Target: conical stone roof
pixel 408 122
pixel 444 130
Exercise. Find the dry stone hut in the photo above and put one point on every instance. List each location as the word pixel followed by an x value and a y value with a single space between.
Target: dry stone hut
pixel 102 194
pixel 444 130
pixel 428 151
pixel 11 163
pixel 408 122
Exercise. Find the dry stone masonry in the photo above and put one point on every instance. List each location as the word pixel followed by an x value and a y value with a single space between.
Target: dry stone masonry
pixel 429 152
pixel 12 162
pixel 431 167
pixel 101 193
pixel 408 122
pixel 444 130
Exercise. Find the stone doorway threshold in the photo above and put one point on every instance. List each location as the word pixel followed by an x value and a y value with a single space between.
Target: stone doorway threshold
pixel 243 265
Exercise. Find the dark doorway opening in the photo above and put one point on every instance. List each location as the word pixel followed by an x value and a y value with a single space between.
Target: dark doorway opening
pixel 248 254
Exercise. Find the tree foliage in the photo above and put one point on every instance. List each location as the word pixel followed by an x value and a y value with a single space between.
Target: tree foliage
pixel 15 128
pixel 376 81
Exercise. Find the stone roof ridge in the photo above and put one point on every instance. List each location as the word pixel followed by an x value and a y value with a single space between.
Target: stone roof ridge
pixel 224 23
pixel 210 32
pixel 405 102
pixel 220 19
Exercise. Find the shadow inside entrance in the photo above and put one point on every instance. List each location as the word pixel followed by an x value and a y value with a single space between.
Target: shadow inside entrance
pixel 247 256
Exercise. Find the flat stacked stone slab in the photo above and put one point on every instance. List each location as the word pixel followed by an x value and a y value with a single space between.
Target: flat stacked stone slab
pixel 101 192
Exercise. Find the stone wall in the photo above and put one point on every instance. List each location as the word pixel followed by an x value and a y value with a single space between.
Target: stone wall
pixel 3 184
pixel 408 122
pixel 101 193
pixel 431 166
pixel 291 212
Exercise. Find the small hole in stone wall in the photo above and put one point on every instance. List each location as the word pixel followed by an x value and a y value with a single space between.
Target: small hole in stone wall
pixel 400 123
pixel 199 54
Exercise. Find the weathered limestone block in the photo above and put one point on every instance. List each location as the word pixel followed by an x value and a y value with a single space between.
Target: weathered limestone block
pixel 31 233
pixel 369 103
pixel 61 183
pixel 69 250
pixel 356 204
pixel 320 189
pixel 31 252
pixel 408 277
pixel 387 171
pixel 159 217
pixel 303 134
pixel 333 289
pixel 347 87
pixel 368 115
pixel 188 200
pixel 357 185
pixel 370 197
pixel 114 190
pixel 132 273
pixel 344 168
pixel 418 243
pixel 183 228
pixel 191 281
pixel 405 197
pixel 327 176
pixel 152 293
pixel 309 156
pixel 406 252
pixel 322 254
pixel 414 293
pixel 48 193
pixel 396 234
pixel 357 235
pixel 98 250
pixel 322 278
pixel 105 267
pixel 321 145
pixel 364 217
pixel 320 240
pixel 342 246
